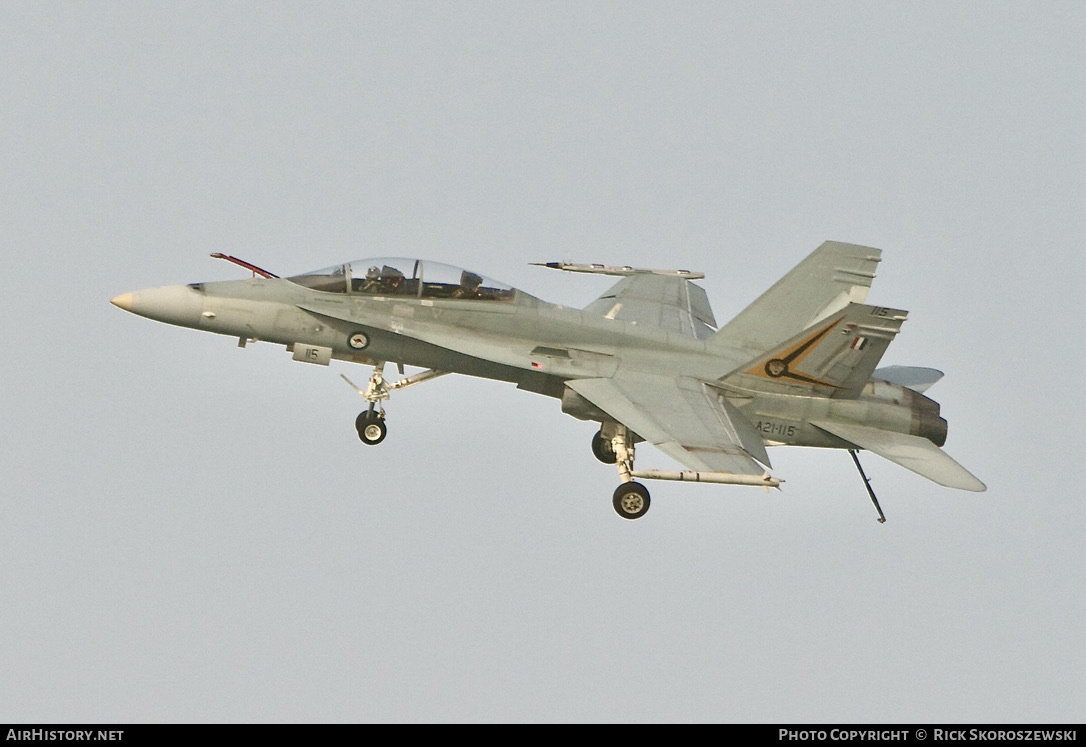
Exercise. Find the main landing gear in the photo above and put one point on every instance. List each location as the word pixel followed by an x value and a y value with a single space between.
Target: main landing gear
pixel 601 448
pixel 613 444
pixel 370 423
pixel 631 500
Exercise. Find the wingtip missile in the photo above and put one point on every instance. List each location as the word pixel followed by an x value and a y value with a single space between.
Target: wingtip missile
pixel 620 270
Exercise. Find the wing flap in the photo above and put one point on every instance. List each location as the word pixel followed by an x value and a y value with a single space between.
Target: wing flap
pixel 911 452
pixel 680 416
pixel 738 427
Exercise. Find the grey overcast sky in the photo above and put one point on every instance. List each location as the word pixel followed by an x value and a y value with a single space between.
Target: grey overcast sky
pixel 193 532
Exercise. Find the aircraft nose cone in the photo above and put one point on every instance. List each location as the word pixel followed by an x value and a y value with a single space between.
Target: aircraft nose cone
pixel 173 304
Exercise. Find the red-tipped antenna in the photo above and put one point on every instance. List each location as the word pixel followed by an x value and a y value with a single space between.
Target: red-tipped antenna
pixel 247 265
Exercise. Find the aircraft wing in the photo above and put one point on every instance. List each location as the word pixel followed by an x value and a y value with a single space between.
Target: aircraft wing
pixel 912 452
pixel 684 418
pixel 668 302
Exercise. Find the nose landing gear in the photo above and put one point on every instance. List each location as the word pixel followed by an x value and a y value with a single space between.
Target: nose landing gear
pixel 370 423
pixel 371 427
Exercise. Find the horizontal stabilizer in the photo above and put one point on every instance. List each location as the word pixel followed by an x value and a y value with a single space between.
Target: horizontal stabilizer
pixel 910 377
pixel 911 452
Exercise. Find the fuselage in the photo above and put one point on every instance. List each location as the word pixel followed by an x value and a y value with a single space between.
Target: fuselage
pixel 515 338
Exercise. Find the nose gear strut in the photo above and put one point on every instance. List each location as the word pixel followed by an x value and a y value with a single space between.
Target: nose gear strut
pixel 370 423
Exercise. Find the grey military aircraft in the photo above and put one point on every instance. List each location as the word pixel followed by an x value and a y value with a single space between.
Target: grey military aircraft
pixel 645 360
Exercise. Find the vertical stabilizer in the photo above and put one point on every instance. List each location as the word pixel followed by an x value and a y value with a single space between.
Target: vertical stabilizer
pixel 831 277
pixel 834 358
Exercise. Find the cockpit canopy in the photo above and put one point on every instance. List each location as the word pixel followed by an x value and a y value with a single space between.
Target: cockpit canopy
pixel 405 277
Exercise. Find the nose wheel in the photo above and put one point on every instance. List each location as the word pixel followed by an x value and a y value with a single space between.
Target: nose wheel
pixel 370 423
pixel 371 427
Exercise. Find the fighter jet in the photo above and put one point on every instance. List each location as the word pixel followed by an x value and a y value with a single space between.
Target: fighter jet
pixel 645 360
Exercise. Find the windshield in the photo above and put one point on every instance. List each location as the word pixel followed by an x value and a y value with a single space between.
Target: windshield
pixel 405 277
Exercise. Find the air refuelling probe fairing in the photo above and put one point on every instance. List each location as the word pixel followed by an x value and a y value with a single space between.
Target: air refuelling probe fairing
pixel 645 360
